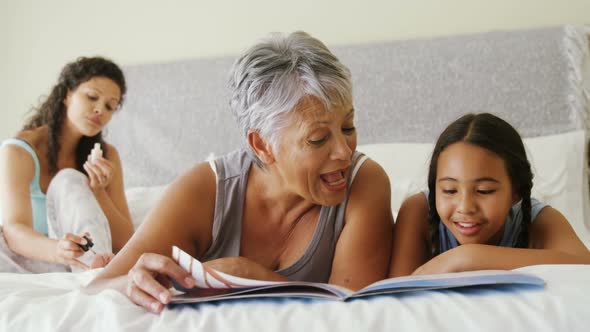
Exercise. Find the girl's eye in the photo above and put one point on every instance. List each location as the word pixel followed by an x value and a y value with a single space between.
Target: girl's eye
pixel 111 107
pixel 487 192
pixel 348 131
pixel 92 97
pixel 449 191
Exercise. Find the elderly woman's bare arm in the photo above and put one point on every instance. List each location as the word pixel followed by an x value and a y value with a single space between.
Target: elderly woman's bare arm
pixel 364 247
pixel 183 217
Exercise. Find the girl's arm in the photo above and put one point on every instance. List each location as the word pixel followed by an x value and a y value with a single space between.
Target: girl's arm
pixel 553 241
pixel 113 202
pixel 411 241
pixel 364 247
pixel 17 170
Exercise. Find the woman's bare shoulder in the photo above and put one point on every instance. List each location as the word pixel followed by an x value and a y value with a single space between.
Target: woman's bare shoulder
pixel 36 138
pixel 198 184
pixel 370 191
pixel 371 174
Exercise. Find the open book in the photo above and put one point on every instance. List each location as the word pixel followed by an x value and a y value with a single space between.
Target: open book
pixel 212 285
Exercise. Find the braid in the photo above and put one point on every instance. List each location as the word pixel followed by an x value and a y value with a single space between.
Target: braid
pixel 526 184
pixel 433 223
pixel 523 237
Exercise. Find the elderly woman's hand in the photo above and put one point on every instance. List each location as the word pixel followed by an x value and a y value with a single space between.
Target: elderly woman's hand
pixel 150 278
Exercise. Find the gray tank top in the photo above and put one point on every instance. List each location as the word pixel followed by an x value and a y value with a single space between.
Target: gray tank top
pixel 315 264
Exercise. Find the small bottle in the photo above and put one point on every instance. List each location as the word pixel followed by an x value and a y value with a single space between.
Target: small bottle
pixel 95 153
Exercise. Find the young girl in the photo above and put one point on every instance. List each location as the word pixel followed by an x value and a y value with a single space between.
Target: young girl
pixel 55 200
pixel 478 212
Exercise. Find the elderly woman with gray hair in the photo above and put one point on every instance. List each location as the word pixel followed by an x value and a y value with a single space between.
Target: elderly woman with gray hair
pixel 297 203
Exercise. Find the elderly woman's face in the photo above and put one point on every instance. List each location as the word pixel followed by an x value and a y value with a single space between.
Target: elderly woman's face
pixel 315 153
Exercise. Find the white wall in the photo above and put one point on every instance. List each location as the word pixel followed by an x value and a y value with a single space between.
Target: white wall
pixel 38 37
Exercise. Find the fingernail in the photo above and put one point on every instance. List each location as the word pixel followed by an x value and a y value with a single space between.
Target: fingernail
pixel 155 306
pixel 164 297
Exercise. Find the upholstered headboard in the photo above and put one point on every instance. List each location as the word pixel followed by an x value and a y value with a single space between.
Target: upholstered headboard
pixel 176 114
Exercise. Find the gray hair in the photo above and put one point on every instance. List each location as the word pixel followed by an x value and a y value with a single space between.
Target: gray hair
pixel 272 77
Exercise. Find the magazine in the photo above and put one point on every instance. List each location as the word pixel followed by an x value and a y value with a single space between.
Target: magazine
pixel 213 285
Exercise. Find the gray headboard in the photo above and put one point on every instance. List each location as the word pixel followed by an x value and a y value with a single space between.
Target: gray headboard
pixel 177 113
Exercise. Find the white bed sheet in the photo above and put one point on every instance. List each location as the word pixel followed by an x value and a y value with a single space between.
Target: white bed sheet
pixel 54 302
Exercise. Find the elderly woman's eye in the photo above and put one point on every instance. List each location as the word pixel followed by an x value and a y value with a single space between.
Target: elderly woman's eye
pixel 317 142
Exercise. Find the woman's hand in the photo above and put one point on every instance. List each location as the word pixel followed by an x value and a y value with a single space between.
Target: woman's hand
pixel 100 173
pixel 68 250
pixel 150 278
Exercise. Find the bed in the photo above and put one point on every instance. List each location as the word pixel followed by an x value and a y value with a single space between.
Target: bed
pixel 406 92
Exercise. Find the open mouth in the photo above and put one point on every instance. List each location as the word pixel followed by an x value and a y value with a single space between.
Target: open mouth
pixel 335 180
pixel 467 228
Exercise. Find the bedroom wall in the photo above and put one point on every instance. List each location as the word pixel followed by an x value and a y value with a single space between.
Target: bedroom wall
pixel 38 37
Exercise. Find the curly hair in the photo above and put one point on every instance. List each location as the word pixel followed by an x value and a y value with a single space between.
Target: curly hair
pixel 498 136
pixel 51 112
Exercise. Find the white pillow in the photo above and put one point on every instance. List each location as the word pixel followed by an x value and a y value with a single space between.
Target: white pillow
pixel 141 200
pixel 558 161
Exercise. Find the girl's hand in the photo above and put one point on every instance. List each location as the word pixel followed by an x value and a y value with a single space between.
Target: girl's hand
pixel 100 173
pixel 68 250
pixel 433 266
pixel 150 278
pixel 447 262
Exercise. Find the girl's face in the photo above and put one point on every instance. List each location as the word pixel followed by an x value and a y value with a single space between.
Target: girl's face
pixel 91 105
pixel 315 153
pixel 473 193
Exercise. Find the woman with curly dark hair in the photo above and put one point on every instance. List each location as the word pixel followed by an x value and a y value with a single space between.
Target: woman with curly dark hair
pixel 60 197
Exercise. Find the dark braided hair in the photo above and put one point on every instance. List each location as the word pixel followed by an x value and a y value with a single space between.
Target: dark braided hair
pixel 53 111
pixel 498 136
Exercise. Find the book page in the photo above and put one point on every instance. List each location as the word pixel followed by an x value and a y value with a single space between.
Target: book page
pixel 213 285
pixel 449 280
pixel 209 278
